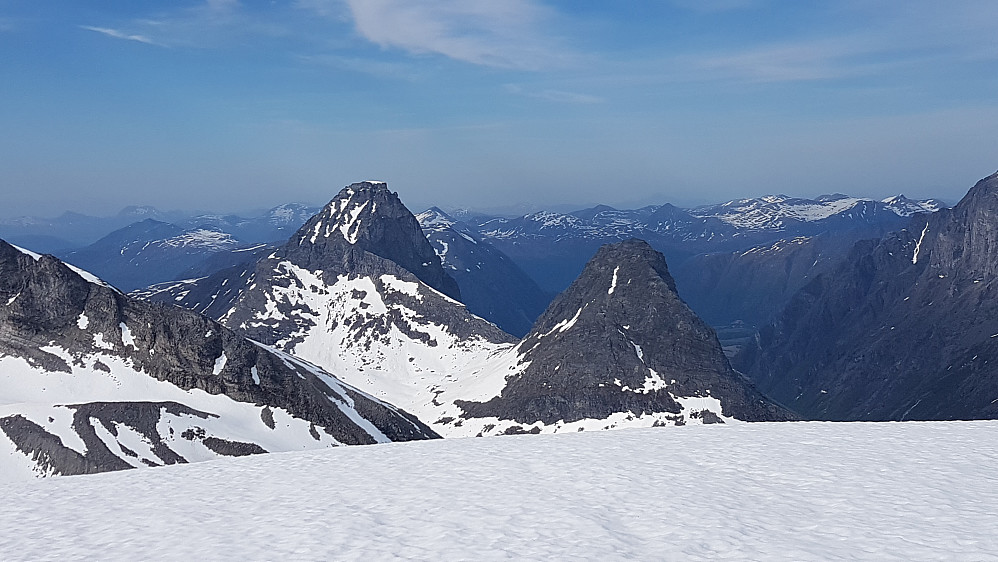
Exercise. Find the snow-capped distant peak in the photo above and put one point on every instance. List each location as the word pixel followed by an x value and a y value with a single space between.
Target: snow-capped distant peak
pixel 290 213
pixel 139 211
pixel 772 212
pixel 902 206
pixel 548 219
pixel 434 218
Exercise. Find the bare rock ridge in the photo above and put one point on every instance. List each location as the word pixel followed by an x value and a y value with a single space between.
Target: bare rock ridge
pixel 367 217
pixel 82 362
pixel 619 340
pixel 906 328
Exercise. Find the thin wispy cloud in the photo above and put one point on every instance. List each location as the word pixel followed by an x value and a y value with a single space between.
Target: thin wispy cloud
pixel 713 6
pixel 557 96
pixel 504 34
pixel 207 24
pixel 785 62
pixel 117 34
pixel 371 67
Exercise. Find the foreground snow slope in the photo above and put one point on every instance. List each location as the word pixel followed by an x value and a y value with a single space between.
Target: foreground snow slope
pixel 790 491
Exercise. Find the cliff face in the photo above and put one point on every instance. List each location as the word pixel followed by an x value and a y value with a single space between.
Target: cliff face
pixel 905 328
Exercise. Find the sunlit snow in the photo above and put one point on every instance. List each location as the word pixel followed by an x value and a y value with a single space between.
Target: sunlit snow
pixel 790 491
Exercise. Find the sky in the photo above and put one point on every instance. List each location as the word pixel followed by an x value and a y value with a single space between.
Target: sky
pixel 230 105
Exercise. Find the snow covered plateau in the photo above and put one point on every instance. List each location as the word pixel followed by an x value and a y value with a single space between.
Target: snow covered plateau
pixel 760 491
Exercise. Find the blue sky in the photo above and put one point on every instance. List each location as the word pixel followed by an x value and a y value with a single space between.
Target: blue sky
pixel 232 105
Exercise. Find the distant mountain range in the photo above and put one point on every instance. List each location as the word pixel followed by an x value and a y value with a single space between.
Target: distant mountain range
pixel 72 231
pixel 510 268
pixel 366 323
pixel 552 247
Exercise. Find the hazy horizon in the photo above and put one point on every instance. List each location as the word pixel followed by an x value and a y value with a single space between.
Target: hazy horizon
pixel 510 210
pixel 234 105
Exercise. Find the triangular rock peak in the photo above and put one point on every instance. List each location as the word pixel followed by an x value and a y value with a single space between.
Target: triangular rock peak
pixel 367 216
pixel 620 348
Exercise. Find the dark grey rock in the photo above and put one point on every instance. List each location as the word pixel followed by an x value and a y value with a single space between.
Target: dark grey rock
pixel 368 218
pixel 886 336
pixel 232 448
pixel 592 342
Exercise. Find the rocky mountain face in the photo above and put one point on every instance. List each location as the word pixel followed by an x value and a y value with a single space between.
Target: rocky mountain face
pixel 906 328
pixel 751 287
pixel 335 296
pixel 92 380
pixel 491 285
pixel 367 218
pixel 619 348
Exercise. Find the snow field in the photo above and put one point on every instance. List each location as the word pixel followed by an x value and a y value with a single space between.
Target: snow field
pixel 791 491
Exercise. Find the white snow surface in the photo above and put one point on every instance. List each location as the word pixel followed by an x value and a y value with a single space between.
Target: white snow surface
pixel 421 378
pixel 918 245
pixel 790 491
pixel 202 238
pixel 39 396
pixel 771 212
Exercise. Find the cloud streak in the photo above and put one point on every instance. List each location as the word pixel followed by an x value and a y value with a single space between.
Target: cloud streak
pixel 211 23
pixel 483 32
pixel 557 96
pixel 119 34
pixel 787 62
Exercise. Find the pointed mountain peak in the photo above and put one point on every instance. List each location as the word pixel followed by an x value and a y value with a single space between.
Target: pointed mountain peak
pixel 905 207
pixel 435 218
pixel 368 217
pixel 619 344
pixel 615 287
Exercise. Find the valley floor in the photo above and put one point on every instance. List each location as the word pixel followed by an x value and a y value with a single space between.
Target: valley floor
pixel 790 491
